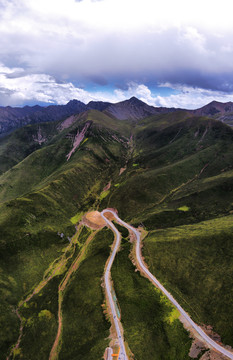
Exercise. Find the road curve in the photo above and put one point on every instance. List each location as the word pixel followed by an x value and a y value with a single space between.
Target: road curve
pixel 107 281
pixel 214 345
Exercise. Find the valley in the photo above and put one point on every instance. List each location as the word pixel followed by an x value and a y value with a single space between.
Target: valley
pixel 168 173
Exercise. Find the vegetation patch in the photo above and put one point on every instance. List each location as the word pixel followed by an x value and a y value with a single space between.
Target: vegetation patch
pixel 76 218
pixel 184 208
pixel 104 194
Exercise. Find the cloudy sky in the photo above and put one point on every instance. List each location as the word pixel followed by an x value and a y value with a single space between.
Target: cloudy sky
pixel 176 53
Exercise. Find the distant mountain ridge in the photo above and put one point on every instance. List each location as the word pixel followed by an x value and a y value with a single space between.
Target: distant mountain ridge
pixel 217 110
pixel 132 109
pixel 12 118
pixel 214 107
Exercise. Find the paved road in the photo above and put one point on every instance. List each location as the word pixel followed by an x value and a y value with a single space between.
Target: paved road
pixel 107 281
pixel 151 277
pixel 109 353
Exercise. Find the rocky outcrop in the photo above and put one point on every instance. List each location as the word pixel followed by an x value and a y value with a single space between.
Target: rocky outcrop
pixel 78 139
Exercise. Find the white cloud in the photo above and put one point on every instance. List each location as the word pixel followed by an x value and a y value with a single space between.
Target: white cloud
pixel 186 97
pixel 18 90
pixel 38 87
pixel 15 90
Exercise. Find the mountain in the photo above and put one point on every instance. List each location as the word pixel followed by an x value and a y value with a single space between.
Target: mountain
pixel 214 107
pixel 97 105
pixel 134 109
pixel 218 110
pixel 12 118
pixel 169 173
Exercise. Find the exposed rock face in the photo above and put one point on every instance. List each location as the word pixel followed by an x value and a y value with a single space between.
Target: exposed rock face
pixel 39 138
pixel 78 139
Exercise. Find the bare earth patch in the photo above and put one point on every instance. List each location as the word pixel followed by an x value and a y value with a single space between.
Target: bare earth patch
pixel 107 187
pixel 122 170
pixel 198 344
pixel 196 348
pixel 94 220
pixel 67 123
pixel 212 355
pixel 78 139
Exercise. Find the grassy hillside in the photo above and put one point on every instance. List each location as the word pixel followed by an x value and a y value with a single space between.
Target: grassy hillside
pixel 21 143
pixel 171 173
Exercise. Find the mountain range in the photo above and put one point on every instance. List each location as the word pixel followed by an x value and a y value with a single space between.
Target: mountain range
pixel 132 109
pixel 168 172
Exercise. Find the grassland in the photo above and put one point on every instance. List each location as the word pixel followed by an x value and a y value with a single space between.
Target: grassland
pixel 178 182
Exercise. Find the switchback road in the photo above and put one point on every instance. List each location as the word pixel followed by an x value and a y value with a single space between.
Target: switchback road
pixel 211 343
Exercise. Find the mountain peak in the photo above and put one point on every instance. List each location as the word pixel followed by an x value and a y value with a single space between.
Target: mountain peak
pixel 74 102
pixel 136 101
pixel 134 98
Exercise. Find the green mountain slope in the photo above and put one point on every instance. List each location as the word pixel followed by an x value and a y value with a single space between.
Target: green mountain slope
pixel 172 173
pixel 19 144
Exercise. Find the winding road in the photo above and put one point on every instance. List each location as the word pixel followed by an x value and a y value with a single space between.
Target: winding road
pixel 211 343
pixel 107 281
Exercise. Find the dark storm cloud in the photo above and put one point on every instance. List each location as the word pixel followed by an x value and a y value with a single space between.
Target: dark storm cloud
pixel 74 51
pixel 97 79
pixel 106 43
pixel 168 56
